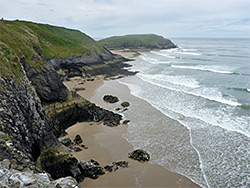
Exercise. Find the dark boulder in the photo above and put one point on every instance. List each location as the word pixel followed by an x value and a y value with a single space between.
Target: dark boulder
pixel 123 164
pixel 110 99
pixel 91 169
pixel 83 146
pixel 139 155
pixel 125 122
pixel 77 149
pixel 125 104
pixel 115 166
pixel 109 168
pixel 78 139
pixel 66 141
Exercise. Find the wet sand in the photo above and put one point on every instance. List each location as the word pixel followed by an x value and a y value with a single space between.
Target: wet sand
pixel 106 145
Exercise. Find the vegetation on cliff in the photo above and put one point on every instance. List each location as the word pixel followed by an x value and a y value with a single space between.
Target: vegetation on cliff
pixel 36 42
pixel 145 41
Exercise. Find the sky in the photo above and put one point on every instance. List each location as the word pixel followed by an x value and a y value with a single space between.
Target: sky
pixel 169 18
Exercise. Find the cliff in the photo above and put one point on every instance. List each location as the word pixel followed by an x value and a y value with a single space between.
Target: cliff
pixel 35 106
pixel 137 42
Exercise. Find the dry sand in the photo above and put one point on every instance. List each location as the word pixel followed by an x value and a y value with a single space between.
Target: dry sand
pixel 126 53
pixel 106 145
pixel 85 87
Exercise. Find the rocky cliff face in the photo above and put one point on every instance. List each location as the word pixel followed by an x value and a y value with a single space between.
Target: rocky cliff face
pixel 24 121
pixel 28 133
pixel 23 118
pixel 167 45
pixel 48 81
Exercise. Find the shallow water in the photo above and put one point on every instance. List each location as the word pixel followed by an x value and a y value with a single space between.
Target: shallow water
pixel 204 85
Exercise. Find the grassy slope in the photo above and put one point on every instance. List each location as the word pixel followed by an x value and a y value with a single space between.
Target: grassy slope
pixel 147 39
pixel 22 36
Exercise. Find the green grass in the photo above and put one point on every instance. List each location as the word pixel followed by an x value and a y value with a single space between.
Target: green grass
pixel 19 38
pixel 147 39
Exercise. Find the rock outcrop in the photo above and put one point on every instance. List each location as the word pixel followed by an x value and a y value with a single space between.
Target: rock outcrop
pixel 110 99
pixel 125 104
pixel 78 139
pixel 91 169
pixel 139 155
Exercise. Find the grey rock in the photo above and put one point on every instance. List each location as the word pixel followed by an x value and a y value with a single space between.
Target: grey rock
pixel 67 182
pixel 29 179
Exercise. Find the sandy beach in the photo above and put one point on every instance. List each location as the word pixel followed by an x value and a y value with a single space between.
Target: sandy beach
pixel 106 145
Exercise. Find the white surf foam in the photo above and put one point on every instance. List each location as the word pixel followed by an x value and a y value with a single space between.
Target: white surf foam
pixel 163 54
pixel 189 53
pixel 216 117
pixel 248 90
pixel 189 50
pixel 215 96
pixel 202 68
pixel 153 61
pixel 176 80
pixel 170 50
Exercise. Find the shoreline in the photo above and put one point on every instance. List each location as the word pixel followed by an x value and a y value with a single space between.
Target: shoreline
pixel 106 145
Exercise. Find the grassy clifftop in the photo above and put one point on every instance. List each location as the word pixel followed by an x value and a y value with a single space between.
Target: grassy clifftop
pixel 39 41
pixel 136 41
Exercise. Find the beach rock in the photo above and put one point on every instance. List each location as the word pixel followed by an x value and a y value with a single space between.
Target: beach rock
pixel 83 146
pixel 91 169
pixel 75 89
pixel 77 149
pixel 117 109
pixel 115 166
pixel 66 141
pixel 94 162
pixel 123 164
pixel 125 104
pixel 110 99
pixel 125 122
pixel 109 168
pixel 74 148
pixel 139 155
pixel 125 109
pixel 78 139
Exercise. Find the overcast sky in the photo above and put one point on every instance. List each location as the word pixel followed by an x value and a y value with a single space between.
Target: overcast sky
pixel 170 18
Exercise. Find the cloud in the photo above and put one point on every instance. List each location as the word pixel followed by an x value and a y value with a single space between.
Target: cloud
pixel 101 18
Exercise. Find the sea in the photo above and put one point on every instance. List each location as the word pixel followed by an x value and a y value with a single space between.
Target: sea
pixel 204 86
